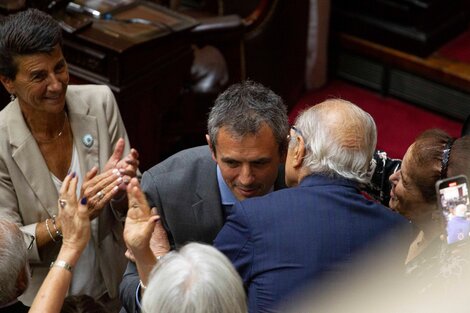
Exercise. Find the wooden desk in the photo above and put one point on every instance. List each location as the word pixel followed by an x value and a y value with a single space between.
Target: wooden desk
pixel 146 75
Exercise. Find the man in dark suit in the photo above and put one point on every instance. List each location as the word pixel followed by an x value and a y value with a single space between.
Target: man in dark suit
pixel 288 239
pixel 194 189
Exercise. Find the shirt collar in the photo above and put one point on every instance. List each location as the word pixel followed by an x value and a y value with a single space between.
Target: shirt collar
pixel 226 194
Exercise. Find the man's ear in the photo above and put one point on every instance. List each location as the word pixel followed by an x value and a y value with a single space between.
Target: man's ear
pixel 299 152
pixel 209 143
pixel 8 84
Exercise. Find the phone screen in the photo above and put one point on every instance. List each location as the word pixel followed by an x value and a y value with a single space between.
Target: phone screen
pixel 453 200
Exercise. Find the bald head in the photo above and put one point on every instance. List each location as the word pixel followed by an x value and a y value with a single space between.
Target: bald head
pixel 340 139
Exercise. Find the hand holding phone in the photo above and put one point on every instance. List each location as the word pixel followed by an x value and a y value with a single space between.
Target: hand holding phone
pixel 452 194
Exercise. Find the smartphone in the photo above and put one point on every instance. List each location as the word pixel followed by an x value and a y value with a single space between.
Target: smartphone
pixel 452 194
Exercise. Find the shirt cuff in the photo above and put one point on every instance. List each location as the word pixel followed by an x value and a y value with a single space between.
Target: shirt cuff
pixel 137 299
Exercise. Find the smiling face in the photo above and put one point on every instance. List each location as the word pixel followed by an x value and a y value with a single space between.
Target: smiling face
pixel 41 81
pixel 249 165
pixel 406 198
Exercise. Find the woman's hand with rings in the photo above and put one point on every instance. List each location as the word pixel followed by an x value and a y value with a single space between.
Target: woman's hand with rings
pixel 100 189
pixel 73 217
pixel 127 166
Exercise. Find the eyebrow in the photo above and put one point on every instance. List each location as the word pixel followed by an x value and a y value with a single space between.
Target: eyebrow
pixel 61 62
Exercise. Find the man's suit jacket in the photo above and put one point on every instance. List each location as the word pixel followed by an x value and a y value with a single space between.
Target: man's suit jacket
pixel 287 239
pixel 28 194
pixel 184 188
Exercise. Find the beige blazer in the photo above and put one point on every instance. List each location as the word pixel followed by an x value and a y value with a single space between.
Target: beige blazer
pixel 27 193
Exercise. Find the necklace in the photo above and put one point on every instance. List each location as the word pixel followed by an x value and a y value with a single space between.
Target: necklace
pixel 56 136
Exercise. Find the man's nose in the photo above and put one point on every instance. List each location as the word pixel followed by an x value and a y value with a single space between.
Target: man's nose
pixel 246 176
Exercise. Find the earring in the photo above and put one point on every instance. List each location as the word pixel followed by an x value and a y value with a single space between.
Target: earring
pixel 12 97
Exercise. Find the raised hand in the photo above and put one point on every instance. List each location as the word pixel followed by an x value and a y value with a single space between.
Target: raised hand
pixel 140 221
pixel 100 189
pixel 73 216
pixel 127 166
pixel 140 225
pixel 159 243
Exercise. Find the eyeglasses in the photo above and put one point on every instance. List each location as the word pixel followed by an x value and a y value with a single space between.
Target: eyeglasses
pixel 296 130
pixel 29 240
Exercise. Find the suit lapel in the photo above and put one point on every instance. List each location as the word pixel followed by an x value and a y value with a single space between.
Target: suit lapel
pixel 85 133
pixel 206 206
pixel 85 138
pixel 28 157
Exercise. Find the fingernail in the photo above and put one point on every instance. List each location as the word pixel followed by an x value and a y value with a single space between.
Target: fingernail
pixel 119 180
pixel 73 174
pixel 116 172
pixel 115 188
pixel 83 201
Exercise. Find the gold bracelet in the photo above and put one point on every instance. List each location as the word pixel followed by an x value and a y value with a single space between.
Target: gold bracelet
pixel 62 264
pixel 49 231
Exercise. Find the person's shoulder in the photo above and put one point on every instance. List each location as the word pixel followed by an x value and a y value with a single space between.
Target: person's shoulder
pixel 8 109
pixel 269 203
pixel 89 89
pixel 193 160
pixel 10 118
pixel 89 93
pixel 388 216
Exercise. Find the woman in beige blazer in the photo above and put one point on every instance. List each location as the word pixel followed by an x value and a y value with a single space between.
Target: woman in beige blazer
pixel 48 130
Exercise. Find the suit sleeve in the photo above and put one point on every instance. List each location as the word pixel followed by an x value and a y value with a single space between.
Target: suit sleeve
pixel 149 187
pixel 235 241
pixel 116 126
pixel 128 288
pixel 9 210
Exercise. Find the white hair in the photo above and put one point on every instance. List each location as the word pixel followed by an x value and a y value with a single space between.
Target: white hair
pixel 13 259
pixel 340 139
pixel 197 279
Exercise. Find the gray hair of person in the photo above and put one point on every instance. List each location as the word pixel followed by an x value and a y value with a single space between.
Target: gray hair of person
pixel 13 259
pixel 196 279
pixel 244 108
pixel 340 140
pixel 25 33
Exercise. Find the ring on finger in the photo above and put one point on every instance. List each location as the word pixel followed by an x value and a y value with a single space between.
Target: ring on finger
pixel 62 203
pixel 100 194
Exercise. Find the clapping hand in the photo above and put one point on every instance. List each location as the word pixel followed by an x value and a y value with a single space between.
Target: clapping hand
pixel 100 189
pixel 127 166
pixel 73 216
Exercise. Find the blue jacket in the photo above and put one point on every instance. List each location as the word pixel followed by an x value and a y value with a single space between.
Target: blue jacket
pixel 287 239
